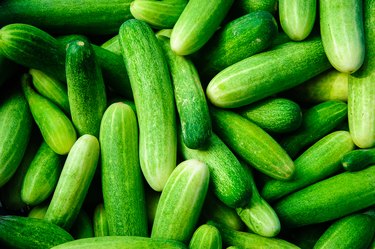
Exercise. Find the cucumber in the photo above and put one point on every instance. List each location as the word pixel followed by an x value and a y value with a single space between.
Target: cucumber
pixel 227 176
pixel 274 115
pixel 196 25
pixel 42 175
pixel 86 91
pixel 23 232
pixel 341 26
pixel 74 182
pixel 113 45
pixel 153 97
pixel 358 159
pixel 120 242
pixel 181 201
pixel 317 122
pixel 329 199
pixel 206 237
pixel 318 162
pixel 190 98
pixel 56 128
pixel 59 16
pixel 297 17
pixel 100 223
pixel 353 231
pixel 82 227
pixel 158 14
pixel 122 183
pixel 38 211
pixel 247 6
pixel 267 73
pixel 15 131
pixel 245 138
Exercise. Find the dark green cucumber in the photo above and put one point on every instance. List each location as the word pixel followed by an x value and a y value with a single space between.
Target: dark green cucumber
pixel 120 242
pixel 59 16
pixel 329 199
pixel 318 162
pixel 86 91
pixel 275 115
pixel 317 121
pixel 82 227
pixel 15 131
pixel 252 144
pixel 196 25
pixel 206 236
pixel 23 232
pixel 341 26
pixel 74 182
pixel 153 97
pixel 100 223
pixel 358 159
pixel 56 128
pixel 190 98
pixel 181 201
pixel 353 231
pixel 122 183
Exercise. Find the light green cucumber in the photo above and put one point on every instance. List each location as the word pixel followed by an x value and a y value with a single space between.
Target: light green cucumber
pixel 38 211
pixel 153 97
pixel 82 227
pixel 122 183
pixel 42 176
pixel 100 223
pixel 56 128
pixel 206 237
pixel 245 138
pixel 267 73
pixel 297 17
pixel 74 182
pixel 342 32
pixel 113 45
pixel 318 162
pixel 181 201
pixel 196 25
pixel 358 159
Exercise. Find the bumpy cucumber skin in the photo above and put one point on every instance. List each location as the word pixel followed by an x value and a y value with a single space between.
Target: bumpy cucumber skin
pixel 153 97
pixel 181 201
pixel 74 181
pixel 196 25
pixel 341 25
pixel 15 131
pixel 100 223
pixel 122 183
pixel 206 236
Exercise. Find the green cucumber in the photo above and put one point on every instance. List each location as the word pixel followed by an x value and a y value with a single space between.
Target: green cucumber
pixel 74 182
pixel 318 162
pixel 59 16
pixel 42 176
pixel 196 25
pixel 247 6
pixel 38 212
pixel 56 128
pixel 120 242
pixel 358 159
pixel 82 227
pixel 274 115
pixel 153 97
pixel 227 176
pixel 122 183
pixel 23 232
pixel 267 73
pixel 100 223
pixel 181 201
pixel 113 45
pixel 341 26
pixel 189 97
pixel 86 91
pixel 15 132
pixel 297 17
pixel 329 199
pixel 158 14
pixel 206 237
pixel 317 121
pixel 353 231
pixel 237 40
pixel 245 138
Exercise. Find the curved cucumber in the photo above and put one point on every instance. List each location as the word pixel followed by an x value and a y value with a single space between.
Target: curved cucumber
pixel 358 159
pixel 100 222
pixel 206 236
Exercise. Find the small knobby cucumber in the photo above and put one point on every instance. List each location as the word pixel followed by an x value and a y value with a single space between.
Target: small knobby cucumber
pixel 122 183
pixel 153 97
pixel 358 159
pixel 206 236
pixel 181 201
pixel 100 222
pixel 74 181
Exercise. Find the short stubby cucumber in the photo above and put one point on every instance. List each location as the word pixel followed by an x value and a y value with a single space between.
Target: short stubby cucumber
pixel 206 236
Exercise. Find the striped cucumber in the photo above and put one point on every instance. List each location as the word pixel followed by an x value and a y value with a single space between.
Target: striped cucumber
pixel 341 26
pixel 74 182
pixel 122 183
pixel 196 25
pixel 100 222
pixel 206 237
pixel 358 159
pixel 153 97
pixel 181 201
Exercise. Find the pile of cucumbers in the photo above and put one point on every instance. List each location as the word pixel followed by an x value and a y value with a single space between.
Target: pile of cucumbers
pixel 187 124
